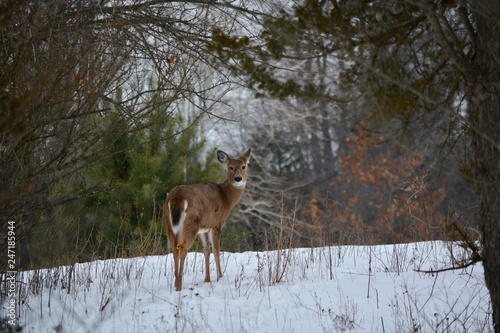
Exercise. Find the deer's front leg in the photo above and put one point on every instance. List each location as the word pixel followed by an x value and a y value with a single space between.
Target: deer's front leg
pixel 206 249
pixel 215 241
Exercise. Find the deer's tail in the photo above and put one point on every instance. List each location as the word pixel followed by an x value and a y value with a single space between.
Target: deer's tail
pixel 177 208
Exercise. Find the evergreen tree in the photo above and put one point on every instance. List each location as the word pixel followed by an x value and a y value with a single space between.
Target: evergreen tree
pixel 136 178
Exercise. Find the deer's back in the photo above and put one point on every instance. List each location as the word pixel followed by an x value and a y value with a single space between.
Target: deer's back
pixel 207 205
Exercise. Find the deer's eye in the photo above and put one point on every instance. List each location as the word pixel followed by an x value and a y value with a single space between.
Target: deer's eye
pixel 231 168
pixel 243 166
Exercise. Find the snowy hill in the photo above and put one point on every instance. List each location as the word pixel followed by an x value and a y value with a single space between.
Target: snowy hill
pixel 329 289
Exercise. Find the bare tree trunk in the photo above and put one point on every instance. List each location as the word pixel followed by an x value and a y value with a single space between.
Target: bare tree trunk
pixel 485 122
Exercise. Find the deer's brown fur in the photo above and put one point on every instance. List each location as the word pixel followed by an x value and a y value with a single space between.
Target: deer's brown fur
pixel 201 210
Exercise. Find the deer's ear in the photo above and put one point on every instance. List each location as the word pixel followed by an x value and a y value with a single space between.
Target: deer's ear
pixel 222 156
pixel 246 155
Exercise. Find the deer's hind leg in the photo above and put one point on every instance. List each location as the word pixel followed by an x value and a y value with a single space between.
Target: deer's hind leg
pixel 187 239
pixel 180 252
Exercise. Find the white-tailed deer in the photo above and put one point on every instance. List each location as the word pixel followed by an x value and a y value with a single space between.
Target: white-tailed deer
pixel 201 210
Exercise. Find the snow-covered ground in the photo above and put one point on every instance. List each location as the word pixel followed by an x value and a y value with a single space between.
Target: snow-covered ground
pixel 328 289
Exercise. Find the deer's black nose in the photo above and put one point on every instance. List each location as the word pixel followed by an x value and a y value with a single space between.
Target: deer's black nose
pixel 238 178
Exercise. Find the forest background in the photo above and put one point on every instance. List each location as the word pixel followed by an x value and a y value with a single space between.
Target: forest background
pixel 370 122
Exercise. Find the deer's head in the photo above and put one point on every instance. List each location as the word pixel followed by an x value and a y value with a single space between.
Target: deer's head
pixel 236 167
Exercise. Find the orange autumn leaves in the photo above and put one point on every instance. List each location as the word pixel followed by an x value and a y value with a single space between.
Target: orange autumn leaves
pixel 382 195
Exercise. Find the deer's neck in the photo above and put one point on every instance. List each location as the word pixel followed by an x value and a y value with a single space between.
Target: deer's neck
pixel 231 193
